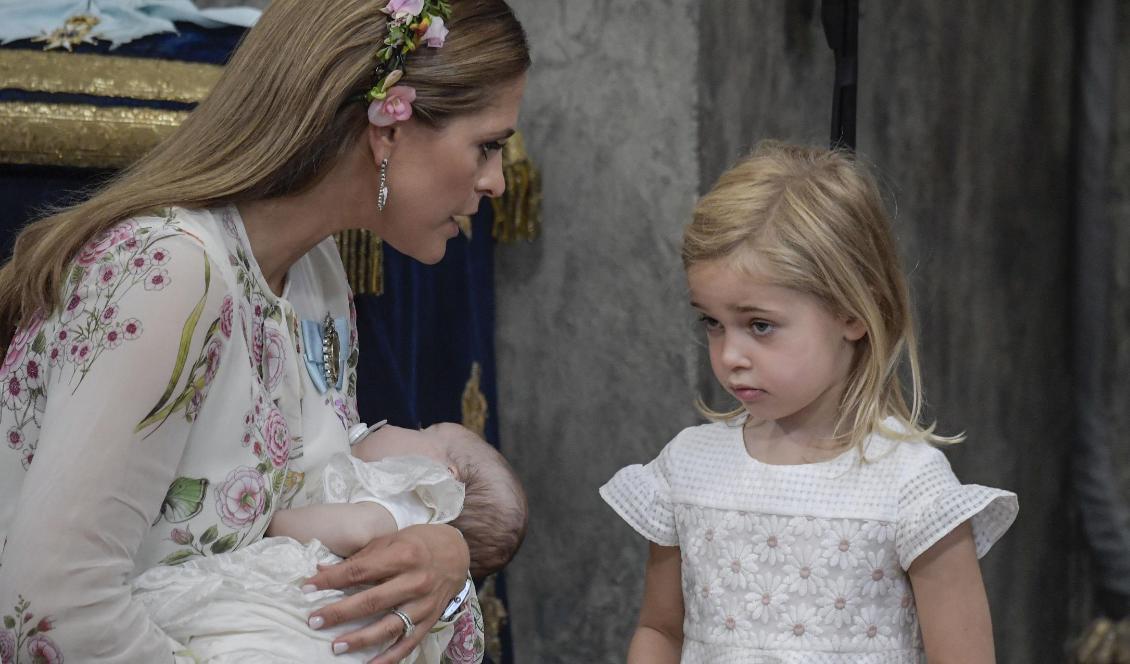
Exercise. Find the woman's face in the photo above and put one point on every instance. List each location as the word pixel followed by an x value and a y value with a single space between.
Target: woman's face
pixel 437 174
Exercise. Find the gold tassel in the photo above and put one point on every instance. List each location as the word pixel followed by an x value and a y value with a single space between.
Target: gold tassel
pixel 517 214
pixel 494 617
pixel 363 257
pixel 475 402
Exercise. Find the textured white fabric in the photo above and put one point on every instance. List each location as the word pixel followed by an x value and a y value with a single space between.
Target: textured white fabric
pixel 802 563
pixel 414 489
pixel 246 605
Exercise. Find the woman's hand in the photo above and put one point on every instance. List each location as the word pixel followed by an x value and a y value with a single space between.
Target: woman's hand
pixel 417 570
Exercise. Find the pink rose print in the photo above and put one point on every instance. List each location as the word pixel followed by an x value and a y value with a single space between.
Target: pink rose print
pixel 273 354
pixel 278 438
pixel 43 649
pixel 46 624
pixel 131 329
pixel 461 650
pixel 181 536
pixel 212 356
pixel 15 438
pixel 96 248
pixel 225 317
pixel 7 647
pixel 157 280
pixel 395 107
pixel 241 498
pixel 24 337
pixel 127 230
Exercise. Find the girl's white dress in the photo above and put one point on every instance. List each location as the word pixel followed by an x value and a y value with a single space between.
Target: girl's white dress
pixel 246 606
pixel 792 564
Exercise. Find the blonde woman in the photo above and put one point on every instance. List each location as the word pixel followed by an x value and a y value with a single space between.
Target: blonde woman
pixel 179 349
pixel 816 521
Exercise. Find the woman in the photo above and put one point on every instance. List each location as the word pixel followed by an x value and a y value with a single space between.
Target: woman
pixel 163 388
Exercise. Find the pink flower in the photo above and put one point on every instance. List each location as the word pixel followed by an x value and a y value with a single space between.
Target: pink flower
pixel 181 536
pixel 43 649
pixel 131 328
pixel 73 307
pixel 159 256
pixel 401 8
pixel 138 263
pixel 274 355
pixel 212 356
pixel 395 107
pixel 27 457
pixel 15 390
pixel 109 313
pixel 278 438
pixel 107 275
pixel 56 355
pixel 46 624
pixel 157 280
pixel 24 337
pixel 96 248
pixel 437 32
pixel 225 317
pixel 34 372
pixel 241 498
pixel 15 438
pixel 113 337
pixel 7 647
pixel 461 649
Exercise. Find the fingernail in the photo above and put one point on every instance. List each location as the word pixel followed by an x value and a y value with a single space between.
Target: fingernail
pixel 309 588
pixel 340 647
pixel 316 622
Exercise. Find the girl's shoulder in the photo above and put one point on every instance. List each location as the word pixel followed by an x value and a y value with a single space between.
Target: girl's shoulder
pixel 704 439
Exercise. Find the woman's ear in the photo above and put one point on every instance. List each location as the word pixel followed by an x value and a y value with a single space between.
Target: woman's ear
pixel 382 141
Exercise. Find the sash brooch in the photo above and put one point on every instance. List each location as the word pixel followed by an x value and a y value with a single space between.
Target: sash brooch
pixel 325 347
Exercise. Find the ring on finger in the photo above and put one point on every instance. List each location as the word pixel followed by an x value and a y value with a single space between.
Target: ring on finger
pixel 408 624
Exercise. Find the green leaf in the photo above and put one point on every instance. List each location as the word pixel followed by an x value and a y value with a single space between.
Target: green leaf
pixel 182 354
pixel 9 622
pixel 225 543
pixel 263 467
pixel 39 346
pixel 185 499
pixel 177 557
pixel 210 535
pixel 31 632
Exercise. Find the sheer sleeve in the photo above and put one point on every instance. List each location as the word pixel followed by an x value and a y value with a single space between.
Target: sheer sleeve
pixel 641 495
pixel 115 426
pixel 932 502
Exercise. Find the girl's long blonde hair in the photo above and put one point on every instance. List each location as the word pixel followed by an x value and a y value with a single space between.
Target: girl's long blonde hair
pixel 816 220
pixel 277 119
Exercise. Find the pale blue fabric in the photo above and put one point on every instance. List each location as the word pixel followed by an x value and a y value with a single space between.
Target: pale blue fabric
pixel 121 21
pixel 312 352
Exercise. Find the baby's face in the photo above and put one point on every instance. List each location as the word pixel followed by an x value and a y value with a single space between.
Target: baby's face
pixel 390 441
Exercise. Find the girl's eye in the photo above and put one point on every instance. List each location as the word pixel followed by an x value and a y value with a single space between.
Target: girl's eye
pixel 761 327
pixel 709 323
pixel 493 146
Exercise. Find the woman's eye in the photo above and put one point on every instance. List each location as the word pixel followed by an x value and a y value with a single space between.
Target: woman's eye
pixel 493 146
pixel 761 327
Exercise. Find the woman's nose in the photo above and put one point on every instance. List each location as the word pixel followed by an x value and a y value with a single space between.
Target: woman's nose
pixel 493 182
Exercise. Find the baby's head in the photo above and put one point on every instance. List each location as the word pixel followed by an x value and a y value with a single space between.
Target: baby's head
pixel 812 221
pixel 493 519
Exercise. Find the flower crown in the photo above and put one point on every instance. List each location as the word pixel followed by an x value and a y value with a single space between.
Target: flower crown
pixel 412 23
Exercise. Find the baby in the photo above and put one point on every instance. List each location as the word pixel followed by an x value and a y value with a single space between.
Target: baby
pixel 246 605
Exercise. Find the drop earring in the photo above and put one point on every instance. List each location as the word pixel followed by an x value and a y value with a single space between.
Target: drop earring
pixel 382 193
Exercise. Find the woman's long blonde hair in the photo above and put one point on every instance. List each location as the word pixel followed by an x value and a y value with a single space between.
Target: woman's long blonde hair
pixel 277 119
pixel 816 220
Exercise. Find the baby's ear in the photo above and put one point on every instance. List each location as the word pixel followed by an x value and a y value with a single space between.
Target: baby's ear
pixel 454 472
pixel 854 329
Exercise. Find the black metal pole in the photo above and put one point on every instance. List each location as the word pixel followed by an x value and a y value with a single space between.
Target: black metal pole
pixel 841 28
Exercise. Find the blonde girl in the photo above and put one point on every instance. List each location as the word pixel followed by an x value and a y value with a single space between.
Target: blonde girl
pixel 817 521
pixel 168 370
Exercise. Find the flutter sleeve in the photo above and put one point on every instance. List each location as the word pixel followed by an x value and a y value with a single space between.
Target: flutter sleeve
pixel 641 495
pixel 139 329
pixel 932 502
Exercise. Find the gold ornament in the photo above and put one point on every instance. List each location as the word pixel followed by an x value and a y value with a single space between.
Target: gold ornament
pixel 475 402
pixel 76 30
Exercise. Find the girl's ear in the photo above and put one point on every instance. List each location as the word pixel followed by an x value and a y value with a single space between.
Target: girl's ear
pixel 854 329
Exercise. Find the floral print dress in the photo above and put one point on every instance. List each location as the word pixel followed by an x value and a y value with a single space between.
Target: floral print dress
pixel 161 415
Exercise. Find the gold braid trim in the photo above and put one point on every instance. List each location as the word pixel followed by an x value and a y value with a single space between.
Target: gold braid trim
pixel 1104 642
pixel 363 257
pixel 517 214
pixel 107 75
pixel 494 617
pixel 81 135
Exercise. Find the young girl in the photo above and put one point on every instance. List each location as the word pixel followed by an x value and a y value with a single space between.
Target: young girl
pixel 817 522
